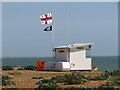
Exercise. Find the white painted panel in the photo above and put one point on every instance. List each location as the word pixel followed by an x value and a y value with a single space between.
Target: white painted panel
pixel 66 66
pixel 77 56
pixel 84 65
pixel 79 61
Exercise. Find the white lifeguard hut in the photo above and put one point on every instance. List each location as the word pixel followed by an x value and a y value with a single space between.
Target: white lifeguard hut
pixel 71 57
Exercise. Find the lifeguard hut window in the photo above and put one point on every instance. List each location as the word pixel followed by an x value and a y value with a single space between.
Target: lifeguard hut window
pixel 88 53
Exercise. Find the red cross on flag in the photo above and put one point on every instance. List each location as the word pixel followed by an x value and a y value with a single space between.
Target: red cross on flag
pixel 46 19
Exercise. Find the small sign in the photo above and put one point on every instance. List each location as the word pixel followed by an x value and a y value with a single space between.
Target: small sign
pixel 61 51
pixel 80 48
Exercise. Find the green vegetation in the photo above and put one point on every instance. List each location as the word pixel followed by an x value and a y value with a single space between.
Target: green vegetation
pixel 101 77
pixel 109 85
pixel 70 79
pixel 113 73
pixel 59 79
pixel 6 81
pixel 112 78
pixel 20 68
pixel 30 68
pixel 66 79
pixel 7 68
pixel 27 68
pixel 76 78
pixel 46 83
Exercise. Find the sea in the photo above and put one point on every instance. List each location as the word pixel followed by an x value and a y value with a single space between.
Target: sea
pixel 104 63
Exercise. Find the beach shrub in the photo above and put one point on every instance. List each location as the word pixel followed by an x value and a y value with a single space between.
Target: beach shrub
pixel 113 73
pixel 46 83
pixel 59 79
pixel 6 78
pixel 89 78
pixel 30 68
pixel 74 79
pixel 7 68
pixel 104 76
pixel 70 79
pixel 110 85
pixel 101 77
pixel 115 83
pixel 6 81
pixel 27 68
pixel 105 87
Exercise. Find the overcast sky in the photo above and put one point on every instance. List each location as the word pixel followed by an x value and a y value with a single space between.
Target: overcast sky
pixel 23 33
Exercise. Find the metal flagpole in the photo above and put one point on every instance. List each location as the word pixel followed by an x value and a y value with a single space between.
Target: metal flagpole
pixel 67 33
pixel 66 28
pixel 52 37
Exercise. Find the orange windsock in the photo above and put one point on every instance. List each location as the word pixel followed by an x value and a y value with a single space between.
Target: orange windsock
pixel 95 68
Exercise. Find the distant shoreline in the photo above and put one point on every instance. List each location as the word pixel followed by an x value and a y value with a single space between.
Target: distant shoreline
pixel 46 56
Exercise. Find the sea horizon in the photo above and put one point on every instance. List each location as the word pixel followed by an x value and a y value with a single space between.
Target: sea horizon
pixel 105 63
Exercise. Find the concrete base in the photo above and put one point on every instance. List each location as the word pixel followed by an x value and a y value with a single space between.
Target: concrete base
pixel 57 66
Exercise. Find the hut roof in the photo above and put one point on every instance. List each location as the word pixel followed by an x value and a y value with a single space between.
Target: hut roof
pixel 82 45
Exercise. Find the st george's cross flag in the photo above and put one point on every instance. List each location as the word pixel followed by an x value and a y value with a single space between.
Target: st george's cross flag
pixel 46 18
pixel 49 28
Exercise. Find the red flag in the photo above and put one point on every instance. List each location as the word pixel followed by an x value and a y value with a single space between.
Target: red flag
pixel 46 19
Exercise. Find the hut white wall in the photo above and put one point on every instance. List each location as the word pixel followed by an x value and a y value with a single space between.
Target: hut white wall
pixel 82 65
pixel 61 56
pixel 77 55
pixel 79 61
